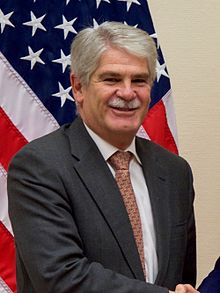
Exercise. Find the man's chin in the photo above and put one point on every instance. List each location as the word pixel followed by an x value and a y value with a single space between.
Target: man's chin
pixel 125 129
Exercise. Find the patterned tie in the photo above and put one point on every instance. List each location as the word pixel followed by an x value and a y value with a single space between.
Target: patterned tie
pixel 120 162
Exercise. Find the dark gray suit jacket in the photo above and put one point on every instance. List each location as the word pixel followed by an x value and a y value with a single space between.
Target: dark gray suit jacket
pixel 71 228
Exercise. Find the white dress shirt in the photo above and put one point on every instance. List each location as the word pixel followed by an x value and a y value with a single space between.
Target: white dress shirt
pixel 142 198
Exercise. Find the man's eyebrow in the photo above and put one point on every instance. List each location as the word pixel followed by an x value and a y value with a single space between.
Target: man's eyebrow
pixel 143 75
pixel 109 73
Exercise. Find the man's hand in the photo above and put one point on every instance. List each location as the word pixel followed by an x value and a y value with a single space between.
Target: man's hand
pixel 184 289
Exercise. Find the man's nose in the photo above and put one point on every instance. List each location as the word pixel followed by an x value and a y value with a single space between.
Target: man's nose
pixel 125 91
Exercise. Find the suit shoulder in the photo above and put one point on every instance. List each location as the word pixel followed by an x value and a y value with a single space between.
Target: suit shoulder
pixel 159 152
pixel 46 146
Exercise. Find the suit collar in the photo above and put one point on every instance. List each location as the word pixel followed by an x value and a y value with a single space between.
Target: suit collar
pixel 157 182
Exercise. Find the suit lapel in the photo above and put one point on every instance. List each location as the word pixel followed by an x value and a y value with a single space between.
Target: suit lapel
pixel 98 179
pixel 157 183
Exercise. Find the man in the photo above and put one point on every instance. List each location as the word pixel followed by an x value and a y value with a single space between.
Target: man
pixel 72 226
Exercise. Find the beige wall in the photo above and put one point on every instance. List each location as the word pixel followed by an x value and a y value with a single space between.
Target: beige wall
pixel 189 34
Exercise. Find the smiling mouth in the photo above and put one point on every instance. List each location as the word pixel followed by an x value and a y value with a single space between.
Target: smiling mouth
pixel 123 109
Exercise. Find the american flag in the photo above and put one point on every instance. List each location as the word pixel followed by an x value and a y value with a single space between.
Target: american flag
pixel 35 92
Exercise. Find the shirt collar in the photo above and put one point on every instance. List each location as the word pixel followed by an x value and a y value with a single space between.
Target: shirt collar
pixel 106 149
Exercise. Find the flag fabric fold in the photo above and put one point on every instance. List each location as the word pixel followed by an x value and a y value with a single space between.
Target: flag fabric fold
pixel 35 92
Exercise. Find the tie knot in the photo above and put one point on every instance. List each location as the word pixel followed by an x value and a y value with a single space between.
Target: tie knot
pixel 120 160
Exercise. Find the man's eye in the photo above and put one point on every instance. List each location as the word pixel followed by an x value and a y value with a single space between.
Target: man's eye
pixel 111 79
pixel 140 81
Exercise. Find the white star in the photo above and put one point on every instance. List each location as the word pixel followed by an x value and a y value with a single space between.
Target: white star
pixel 4 20
pixel 160 68
pixel 34 57
pixel 67 26
pixel 95 23
pixel 128 24
pixel 35 23
pixel 63 94
pixel 99 1
pixel 129 2
pixel 64 60
pixel 154 36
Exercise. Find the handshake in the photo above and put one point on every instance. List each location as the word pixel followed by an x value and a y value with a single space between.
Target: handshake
pixel 184 289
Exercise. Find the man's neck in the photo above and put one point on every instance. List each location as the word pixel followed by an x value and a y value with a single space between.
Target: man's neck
pixel 120 141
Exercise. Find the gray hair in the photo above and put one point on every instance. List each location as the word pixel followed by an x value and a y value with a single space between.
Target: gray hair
pixel 91 43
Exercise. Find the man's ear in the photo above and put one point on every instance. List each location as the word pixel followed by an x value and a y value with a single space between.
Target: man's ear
pixel 77 88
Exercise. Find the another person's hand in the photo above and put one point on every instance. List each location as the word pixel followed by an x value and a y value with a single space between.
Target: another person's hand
pixel 184 289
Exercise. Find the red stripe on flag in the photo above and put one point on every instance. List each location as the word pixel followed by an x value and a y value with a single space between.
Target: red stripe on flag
pixel 7 256
pixel 157 127
pixel 11 139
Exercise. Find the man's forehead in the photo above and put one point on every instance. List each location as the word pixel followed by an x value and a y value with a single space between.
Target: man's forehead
pixel 117 62
pixel 113 54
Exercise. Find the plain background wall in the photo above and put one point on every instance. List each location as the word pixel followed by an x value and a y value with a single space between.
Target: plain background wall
pixel 189 35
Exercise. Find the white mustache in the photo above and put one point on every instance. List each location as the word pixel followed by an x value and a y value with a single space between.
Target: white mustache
pixel 117 102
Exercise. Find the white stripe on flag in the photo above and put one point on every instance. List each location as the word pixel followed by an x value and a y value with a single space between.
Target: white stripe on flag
pixel 3 287
pixel 4 200
pixel 170 114
pixel 142 133
pixel 22 106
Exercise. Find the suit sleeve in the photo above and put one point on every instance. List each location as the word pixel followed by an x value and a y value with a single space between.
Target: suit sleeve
pixel 50 256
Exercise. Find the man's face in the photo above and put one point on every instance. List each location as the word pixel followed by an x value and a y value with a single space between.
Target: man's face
pixel 116 100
